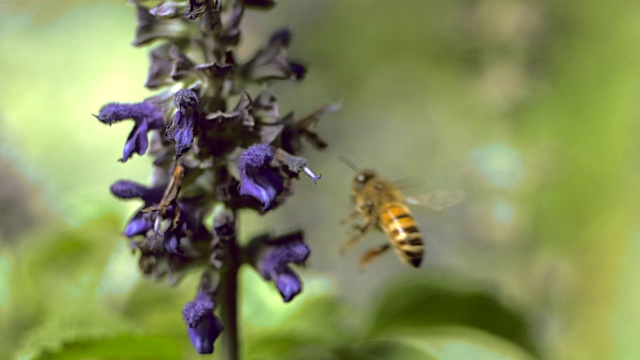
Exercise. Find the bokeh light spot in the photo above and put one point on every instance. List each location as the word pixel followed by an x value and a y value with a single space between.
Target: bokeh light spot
pixel 500 164
pixel 502 212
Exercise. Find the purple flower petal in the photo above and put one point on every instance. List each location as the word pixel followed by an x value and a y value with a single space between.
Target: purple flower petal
pixel 257 156
pixel 203 327
pixel 137 226
pixel 295 252
pixel 172 244
pixel 114 112
pixel 146 117
pixel 125 189
pixel 288 283
pixel 182 129
pixel 136 142
pixel 274 265
pixel 195 311
pixel 205 334
pixel 258 179
pixel 264 185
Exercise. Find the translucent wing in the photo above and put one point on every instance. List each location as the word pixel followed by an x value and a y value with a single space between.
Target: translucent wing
pixel 409 183
pixel 437 200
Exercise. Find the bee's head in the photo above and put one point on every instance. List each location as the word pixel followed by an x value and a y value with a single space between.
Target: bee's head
pixel 363 177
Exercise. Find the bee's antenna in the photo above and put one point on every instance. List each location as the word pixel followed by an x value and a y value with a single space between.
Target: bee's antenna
pixel 349 163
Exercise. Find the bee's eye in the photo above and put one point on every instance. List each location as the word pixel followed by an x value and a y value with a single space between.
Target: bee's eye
pixel 360 178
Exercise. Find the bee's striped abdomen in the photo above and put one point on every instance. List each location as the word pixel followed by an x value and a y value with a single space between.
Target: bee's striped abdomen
pixel 402 230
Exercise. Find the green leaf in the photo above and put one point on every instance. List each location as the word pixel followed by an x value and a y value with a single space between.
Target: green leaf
pixel 445 343
pixel 382 349
pixel 76 323
pixel 131 347
pixel 53 297
pixel 66 253
pixel 308 327
pixel 317 326
pixel 156 305
pixel 435 302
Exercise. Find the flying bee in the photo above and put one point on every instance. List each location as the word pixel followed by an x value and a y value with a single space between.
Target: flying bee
pixel 383 206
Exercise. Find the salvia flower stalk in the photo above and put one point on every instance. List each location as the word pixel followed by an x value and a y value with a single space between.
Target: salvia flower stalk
pixel 217 147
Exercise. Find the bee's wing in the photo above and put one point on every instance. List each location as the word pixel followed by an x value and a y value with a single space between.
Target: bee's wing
pixel 437 200
pixel 408 183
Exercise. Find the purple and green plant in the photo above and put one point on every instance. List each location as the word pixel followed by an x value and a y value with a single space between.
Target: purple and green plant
pixel 219 144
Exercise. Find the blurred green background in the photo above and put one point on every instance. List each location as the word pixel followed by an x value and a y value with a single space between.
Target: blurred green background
pixel 530 107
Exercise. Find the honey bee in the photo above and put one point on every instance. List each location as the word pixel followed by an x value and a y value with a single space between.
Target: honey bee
pixel 383 206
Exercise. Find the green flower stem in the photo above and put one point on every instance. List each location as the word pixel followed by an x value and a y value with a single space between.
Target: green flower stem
pixel 228 297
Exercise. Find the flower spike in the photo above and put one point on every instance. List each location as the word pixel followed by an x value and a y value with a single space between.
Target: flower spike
pixel 216 142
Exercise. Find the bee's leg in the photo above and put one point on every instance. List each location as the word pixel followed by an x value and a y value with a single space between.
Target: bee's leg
pixel 352 215
pixel 361 230
pixel 370 255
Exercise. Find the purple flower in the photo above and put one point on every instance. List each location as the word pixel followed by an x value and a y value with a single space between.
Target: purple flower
pixel 241 157
pixel 274 265
pixel 182 129
pixel 125 189
pixel 203 327
pixel 258 179
pixel 188 226
pixel 146 116
pixel 139 225
pixel 172 242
